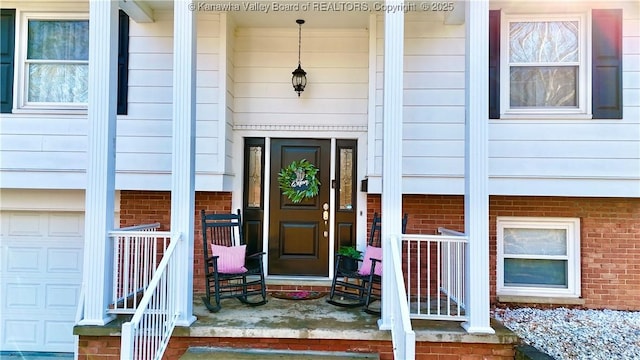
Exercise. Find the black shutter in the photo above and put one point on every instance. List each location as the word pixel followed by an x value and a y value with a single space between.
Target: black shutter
pixel 123 62
pixel 7 49
pixel 494 64
pixel 607 64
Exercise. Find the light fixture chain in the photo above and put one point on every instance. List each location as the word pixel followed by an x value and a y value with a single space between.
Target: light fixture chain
pixel 299 41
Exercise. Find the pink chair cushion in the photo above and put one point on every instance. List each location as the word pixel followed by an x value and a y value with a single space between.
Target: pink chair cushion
pixel 369 253
pixel 230 258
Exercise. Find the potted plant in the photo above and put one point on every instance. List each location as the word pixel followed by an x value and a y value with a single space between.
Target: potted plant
pixel 349 257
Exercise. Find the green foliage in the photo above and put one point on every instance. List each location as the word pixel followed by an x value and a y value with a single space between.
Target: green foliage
pixel 289 176
pixel 350 251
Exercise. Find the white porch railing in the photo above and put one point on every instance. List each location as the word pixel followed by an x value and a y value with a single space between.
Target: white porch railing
pixel 434 267
pixel 136 253
pixel 402 335
pixel 146 336
pixel 452 260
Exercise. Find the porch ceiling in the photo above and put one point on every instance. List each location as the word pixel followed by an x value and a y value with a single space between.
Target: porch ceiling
pixel 284 18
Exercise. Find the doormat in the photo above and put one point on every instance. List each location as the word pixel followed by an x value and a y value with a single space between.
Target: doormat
pixel 298 295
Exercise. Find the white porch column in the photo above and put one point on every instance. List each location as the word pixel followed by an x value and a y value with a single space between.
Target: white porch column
pixel 391 199
pixel 476 197
pixel 99 196
pixel 183 152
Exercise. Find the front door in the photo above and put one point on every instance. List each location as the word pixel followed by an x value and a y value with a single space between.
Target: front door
pixel 299 231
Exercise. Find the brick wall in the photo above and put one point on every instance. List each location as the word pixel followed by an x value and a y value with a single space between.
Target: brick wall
pixel 140 207
pixel 145 207
pixel 609 243
pixel 610 232
pixel 99 348
pixel 426 213
pixel 108 347
pixel 610 237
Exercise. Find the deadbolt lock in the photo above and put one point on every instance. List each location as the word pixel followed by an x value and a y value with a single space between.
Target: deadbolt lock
pixel 325 213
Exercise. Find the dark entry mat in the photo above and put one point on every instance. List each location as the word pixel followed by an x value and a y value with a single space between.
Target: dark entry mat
pixel 298 295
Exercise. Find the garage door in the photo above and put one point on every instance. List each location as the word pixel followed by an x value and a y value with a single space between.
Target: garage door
pixel 41 271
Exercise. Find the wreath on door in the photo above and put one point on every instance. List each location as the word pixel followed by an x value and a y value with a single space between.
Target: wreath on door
pixel 298 181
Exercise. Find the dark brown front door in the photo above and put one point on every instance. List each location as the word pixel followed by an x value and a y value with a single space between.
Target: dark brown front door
pixel 298 234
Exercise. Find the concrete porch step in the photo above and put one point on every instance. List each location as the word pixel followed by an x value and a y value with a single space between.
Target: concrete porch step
pixel 215 353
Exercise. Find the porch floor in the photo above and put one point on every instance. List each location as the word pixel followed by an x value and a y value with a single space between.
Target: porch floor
pixel 306 319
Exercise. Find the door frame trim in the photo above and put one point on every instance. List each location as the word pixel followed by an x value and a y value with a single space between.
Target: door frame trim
pixel 237 167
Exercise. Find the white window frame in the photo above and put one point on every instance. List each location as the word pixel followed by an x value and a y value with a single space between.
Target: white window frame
pixel 21 103
pixel 583 96
pixel 572 228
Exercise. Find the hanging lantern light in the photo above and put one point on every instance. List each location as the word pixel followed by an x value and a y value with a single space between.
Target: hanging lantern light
pixel 299 78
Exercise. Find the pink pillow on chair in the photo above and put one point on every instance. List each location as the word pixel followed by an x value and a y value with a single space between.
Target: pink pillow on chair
pixel 230 258
pixel 369 253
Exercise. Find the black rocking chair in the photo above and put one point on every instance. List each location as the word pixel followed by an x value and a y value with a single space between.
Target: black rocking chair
pixel 229 273
pixel 363 286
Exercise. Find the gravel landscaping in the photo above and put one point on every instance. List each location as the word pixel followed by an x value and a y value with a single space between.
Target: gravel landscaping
pixel 576 334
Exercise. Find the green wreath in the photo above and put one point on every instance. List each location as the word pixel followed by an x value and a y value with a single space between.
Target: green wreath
pixel 298 181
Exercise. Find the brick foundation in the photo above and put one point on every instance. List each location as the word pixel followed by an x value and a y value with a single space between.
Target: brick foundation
pixel 108 348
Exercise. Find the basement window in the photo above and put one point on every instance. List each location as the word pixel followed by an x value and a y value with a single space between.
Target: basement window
pixel 538 256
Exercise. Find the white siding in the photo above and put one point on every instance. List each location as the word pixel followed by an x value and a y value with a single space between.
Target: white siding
pixel 243 82
pixel 144 135
pixel 582 157
pixel 45 200
pixel 536 157
pixel 49 151
pixel 336 62
pixel 39 150
pixel 433 129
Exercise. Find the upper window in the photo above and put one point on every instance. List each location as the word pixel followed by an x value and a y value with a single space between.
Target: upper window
pixel 546 64
pixel 50 55
pixel 538 256
pixel 55 68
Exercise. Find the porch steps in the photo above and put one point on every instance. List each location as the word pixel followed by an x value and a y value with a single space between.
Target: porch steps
pixel 218 353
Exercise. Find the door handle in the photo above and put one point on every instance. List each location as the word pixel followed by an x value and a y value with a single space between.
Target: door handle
pixel 325 217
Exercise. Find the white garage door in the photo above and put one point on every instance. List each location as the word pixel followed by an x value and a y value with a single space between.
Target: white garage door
pixel 41 271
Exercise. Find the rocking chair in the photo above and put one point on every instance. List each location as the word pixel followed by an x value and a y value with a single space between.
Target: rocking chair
pixel 229 273
pixel 361 287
